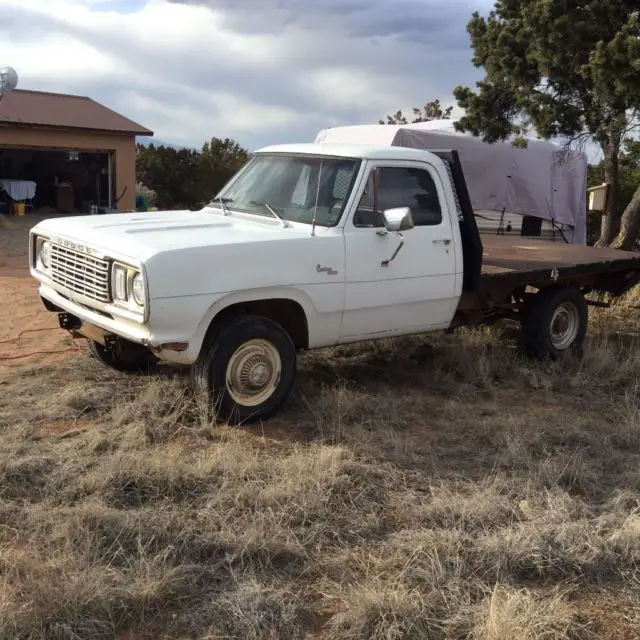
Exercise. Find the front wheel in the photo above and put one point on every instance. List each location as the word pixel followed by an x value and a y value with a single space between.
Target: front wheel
pixel 555 323
pixel 247 370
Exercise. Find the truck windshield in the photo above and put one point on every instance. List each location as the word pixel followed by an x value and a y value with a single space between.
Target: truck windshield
pixel 294 187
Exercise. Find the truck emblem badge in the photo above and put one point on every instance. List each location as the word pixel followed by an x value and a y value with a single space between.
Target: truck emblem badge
pixel 555 274
pixel 328 270
pixel 67 244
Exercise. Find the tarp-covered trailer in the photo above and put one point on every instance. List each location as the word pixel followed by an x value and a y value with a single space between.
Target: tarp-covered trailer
pixel 540 190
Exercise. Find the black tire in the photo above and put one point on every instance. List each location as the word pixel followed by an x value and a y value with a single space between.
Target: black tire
pixel 563 305
pixel 213 380
pixel 124 356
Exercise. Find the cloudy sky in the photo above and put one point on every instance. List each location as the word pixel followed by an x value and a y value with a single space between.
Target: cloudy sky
pixel 260 71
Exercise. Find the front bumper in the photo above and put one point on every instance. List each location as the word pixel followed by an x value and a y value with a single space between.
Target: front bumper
pixel 99 327
pixel 126 329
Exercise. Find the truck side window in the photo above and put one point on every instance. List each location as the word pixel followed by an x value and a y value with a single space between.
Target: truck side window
pixel 400 187
pixel 413 188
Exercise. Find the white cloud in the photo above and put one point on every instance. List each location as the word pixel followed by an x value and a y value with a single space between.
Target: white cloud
pixel 64 60
pixel 261 72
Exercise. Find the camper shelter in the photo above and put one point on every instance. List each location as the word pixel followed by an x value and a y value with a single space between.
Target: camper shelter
pixel 541 186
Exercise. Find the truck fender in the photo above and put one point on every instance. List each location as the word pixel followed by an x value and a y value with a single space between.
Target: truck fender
pixel 252 295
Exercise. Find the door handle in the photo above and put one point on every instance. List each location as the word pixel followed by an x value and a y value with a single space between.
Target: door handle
pixel 445 241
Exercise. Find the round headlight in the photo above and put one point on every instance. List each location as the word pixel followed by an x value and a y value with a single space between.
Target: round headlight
pixel 137 289
pixel 45 254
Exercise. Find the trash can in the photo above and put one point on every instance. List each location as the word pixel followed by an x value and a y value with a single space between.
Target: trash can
pixel 142 203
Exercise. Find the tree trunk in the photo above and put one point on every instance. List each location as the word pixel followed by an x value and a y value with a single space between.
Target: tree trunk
pixel 630 228
pixel 611 218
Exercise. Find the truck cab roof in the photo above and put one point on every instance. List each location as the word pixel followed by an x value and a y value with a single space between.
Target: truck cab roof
pixel 360 151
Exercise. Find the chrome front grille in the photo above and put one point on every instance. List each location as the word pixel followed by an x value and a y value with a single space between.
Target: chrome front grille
pixel 80 273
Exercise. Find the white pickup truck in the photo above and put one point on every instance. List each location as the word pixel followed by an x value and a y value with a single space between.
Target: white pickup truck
pixel 308 246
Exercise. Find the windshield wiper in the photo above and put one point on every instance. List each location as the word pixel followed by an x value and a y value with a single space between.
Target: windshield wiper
pixel 223 204
pixel 271 210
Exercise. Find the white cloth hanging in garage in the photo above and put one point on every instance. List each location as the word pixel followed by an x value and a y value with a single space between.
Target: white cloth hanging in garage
pixel 19 190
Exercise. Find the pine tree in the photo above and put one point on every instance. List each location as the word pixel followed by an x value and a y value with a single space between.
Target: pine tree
pixel 566 68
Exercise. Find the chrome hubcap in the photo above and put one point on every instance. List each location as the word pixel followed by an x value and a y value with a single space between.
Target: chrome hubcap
pixel 259 375
pixel 565 325
pixel 253 372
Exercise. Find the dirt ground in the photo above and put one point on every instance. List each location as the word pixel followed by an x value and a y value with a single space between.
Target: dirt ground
pixel 20 307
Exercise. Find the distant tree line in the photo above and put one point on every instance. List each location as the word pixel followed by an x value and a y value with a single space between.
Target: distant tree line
pixel 186 178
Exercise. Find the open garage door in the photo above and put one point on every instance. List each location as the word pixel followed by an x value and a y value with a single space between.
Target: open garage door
pixel 55 181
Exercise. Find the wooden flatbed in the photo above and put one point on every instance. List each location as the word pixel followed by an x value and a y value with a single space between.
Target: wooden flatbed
pixel 512 261
pixel 503 272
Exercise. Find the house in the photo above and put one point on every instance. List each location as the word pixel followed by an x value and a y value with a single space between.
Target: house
pixel 66 153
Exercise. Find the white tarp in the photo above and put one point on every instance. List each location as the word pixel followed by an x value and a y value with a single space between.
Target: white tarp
pixel 542 180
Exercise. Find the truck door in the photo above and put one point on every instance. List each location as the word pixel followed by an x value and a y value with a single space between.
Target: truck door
pixel 417 290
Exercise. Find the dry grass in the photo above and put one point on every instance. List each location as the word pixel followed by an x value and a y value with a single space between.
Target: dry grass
pixel 426 488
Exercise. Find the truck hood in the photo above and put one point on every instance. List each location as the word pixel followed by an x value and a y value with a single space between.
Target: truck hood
pixel 140 236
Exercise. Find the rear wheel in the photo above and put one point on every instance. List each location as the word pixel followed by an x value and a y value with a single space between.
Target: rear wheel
pixel 555 323
pixel 247 370
pixel 123 356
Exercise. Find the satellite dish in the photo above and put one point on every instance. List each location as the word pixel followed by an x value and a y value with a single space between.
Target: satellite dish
pixel 8 79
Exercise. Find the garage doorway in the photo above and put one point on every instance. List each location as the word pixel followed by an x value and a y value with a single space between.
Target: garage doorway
pixel 66 182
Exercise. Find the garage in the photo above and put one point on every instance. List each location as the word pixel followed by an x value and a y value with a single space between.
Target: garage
pixel 65 154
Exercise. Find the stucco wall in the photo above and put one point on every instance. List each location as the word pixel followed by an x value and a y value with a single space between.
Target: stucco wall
pixel 123 146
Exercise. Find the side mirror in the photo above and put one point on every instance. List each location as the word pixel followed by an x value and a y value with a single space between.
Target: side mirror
pixel 399 219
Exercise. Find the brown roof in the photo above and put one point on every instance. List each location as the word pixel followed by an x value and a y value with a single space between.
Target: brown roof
pixel 61 110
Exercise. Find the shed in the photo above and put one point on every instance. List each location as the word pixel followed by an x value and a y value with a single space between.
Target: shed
pixel 66 153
